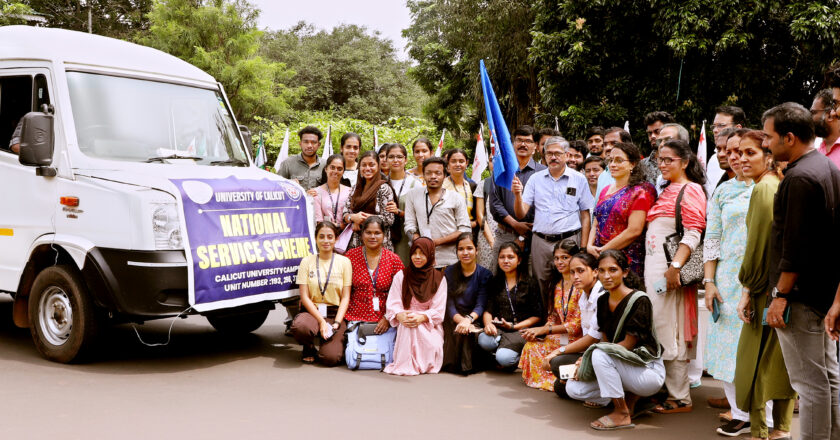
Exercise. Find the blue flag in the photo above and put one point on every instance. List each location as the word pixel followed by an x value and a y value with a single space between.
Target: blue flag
pixel 505 163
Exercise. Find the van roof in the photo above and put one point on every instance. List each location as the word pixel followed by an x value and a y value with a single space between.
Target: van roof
pixel 82 50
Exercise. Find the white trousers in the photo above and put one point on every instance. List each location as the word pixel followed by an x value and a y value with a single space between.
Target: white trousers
pixel 614 376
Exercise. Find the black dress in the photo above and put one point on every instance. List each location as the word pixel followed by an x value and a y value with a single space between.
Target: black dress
pixel 514 306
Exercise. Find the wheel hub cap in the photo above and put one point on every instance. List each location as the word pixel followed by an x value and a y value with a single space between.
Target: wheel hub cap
pixel 56 315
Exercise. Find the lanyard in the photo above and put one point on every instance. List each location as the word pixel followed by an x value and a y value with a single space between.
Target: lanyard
pixel 564 301
pixel 375 275
pixel 510 301
pixel 428 212
pixel 399 193
pixel 468 196
pixel 335 202
pixel 329 272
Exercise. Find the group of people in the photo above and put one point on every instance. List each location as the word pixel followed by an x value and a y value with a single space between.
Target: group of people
pixel 586 273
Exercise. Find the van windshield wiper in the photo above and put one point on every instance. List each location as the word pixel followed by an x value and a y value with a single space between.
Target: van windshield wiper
pixel 172 156
pixel 235 162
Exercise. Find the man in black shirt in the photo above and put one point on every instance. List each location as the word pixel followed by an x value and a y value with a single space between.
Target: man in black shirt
pixel 803 268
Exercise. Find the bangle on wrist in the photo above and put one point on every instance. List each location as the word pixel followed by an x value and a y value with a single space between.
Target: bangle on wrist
pixel 708 280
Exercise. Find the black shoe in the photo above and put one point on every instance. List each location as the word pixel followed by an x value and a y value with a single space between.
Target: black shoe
pixel 734 428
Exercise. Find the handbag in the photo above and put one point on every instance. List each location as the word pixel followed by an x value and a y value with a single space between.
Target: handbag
pixel 366 350
pixel 692 271
pixel 343 240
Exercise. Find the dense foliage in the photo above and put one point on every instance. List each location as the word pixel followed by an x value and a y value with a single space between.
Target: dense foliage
pixel 111 18
pixel 355 73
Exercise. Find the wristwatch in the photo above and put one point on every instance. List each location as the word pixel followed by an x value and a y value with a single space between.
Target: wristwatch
pixel 563 350
pixel 521 238
pixel 776 294
pixel 676 265
pixel 708 280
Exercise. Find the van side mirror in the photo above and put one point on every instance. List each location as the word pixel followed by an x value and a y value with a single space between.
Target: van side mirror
pixel 36 139
pixel 246 134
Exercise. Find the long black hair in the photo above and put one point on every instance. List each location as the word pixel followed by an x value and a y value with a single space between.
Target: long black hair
pixel 694 171
pixel 631 280
pixel 570 247
pixel 637 176
pixel 455 280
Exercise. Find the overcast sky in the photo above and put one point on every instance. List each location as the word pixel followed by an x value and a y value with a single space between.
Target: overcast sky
pixel 389 17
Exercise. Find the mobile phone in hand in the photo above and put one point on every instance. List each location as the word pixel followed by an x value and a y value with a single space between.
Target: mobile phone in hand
pixel 715 310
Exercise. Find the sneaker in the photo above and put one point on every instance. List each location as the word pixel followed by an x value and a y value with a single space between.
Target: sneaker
pixel 734 428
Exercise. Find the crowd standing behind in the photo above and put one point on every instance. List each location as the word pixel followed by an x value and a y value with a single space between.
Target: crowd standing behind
pixel 586 273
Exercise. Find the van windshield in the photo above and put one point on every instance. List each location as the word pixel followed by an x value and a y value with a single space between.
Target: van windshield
pixel 139 120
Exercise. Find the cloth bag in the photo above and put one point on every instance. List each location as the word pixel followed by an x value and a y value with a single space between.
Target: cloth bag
pixel 692 271
pixel 343 239
pixel 366 350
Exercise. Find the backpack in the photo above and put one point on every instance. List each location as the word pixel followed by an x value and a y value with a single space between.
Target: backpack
pixel 366 350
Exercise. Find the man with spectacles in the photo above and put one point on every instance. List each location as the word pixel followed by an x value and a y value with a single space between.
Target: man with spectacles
pixel 826 125
pixel 653 123
pixel 502 201
pixel 562 203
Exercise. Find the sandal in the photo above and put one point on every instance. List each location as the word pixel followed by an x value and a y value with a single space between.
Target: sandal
pixel 643 408
pixel 307 356
pixel 607 424
pixel 672 407
pixel 593 405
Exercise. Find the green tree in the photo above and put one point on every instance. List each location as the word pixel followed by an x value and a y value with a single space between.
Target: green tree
pixel 606 61
pixel 13 12
pixel 111 18
pixel 221 38
pixel 447 38
pixel 353 72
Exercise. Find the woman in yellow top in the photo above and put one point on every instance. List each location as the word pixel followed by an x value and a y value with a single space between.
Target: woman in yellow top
pixel 324 281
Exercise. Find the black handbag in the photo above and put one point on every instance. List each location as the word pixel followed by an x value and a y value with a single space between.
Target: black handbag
pixel 692 271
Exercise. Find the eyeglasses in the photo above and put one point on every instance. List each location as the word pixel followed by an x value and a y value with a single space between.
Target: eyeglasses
pixel 661 140
pixel 825 110
pixel 618 160
pixel 666 160
pixel 523 141
pixel 396 157
pixel 554 153
pixel 721 126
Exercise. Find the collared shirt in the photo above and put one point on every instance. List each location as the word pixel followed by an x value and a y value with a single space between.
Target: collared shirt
pixel 588 304
pixel 832 152
pixel 650 168
pixel 436 220
pixel 558 202
pixel 503 201
pixel 295 167
pixel 806 230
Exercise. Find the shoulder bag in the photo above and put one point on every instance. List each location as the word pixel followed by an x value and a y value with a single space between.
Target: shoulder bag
pixel 692 271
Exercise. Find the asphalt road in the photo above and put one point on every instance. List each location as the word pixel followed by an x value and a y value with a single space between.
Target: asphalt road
pixel 204 386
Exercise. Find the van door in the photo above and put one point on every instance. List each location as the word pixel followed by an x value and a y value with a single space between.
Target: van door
pixel 27 202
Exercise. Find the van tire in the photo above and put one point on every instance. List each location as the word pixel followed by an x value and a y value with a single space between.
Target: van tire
pixel 241 323
pixel 62 335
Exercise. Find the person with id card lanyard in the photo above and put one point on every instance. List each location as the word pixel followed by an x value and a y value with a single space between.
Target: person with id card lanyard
pixel 374 268
pixel 331 195
pixel 436 213
pixel 401 182
pixel 563 325
pixel 324 281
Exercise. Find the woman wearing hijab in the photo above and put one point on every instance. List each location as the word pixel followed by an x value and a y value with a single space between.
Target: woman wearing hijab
pixel 370 196
pixel 416 307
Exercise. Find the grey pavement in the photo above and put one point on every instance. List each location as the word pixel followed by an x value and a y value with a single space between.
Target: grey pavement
pixel 205 386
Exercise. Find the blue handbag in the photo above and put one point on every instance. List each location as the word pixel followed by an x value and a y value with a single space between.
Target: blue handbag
pixel 366 350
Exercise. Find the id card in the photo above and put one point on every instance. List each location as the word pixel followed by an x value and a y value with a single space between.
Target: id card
pixel 564 338
pixel 322 310
pixel 375 301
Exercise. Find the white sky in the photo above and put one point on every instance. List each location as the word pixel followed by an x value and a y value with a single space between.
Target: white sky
pixel 389 17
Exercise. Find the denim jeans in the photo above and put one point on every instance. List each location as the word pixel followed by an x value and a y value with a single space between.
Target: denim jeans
pixel 505 357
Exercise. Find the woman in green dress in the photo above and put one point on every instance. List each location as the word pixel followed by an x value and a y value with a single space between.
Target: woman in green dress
pixel 760 373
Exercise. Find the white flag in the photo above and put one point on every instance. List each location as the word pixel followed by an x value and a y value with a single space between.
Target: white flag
pixel 627 126
pixel 261 158
pixel 375 140
pixel 480 160
pixel 556 124
pixel 440 144
pixel 328 149
pixel 284 152
pixel 701 146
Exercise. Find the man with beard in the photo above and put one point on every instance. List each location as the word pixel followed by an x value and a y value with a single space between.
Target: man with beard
pixel 562 203
pixel 502 201
pixel 653 123
pixel 826 125
pixel 595 141
pixel 541 137
pixel 305 168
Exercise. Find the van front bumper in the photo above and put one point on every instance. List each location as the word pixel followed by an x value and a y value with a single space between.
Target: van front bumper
pixel 141 284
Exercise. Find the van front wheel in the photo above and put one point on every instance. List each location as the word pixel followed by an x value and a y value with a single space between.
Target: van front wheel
pixel 62 317
pixel 241 323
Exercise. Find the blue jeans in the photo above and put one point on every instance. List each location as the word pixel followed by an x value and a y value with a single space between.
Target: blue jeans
pixel 505 357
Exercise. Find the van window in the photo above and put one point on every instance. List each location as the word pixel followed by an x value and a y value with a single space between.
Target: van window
pixel 137 120
pixel 16 99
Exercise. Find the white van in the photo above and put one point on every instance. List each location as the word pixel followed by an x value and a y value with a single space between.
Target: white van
pixel 124 150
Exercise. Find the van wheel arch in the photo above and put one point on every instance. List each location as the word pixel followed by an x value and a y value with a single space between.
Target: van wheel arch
pixel 41 258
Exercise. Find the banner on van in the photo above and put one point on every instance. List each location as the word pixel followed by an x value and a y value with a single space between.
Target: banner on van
pixel 244 239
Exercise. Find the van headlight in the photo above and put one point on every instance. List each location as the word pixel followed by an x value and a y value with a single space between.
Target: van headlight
pixel 166 226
